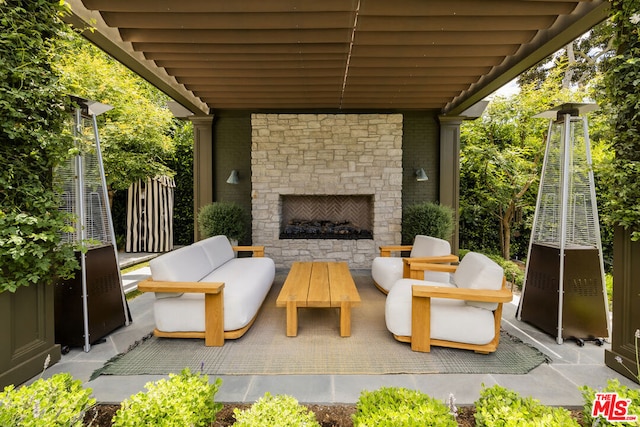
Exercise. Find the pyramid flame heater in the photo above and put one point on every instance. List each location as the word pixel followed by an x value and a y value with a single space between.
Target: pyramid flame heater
pixel 564 290
pixel 92 304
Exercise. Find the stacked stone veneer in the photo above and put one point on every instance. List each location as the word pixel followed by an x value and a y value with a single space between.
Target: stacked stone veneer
pixel 324 154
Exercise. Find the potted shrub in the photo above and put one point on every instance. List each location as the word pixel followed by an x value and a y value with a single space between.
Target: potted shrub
pixel 223 218
pixel 429 219
pixel 32 142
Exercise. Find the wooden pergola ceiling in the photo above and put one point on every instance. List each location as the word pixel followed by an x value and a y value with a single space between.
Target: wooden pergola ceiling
pixel 333 54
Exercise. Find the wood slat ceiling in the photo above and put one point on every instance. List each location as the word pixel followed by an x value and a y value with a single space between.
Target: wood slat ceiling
pixel 336 54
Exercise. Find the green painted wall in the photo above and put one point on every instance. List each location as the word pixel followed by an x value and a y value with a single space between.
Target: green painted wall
pixel 420 149
pixel 232 150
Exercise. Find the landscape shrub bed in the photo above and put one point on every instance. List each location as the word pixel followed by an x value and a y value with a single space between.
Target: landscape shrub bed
pixel 189 399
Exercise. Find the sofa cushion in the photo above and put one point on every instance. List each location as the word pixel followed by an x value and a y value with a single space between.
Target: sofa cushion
pixel 451 320
pixel 429 246
pixel 477 271
pixel 386 271
pixel 183 314
pixel 218 250
pixel 187 264
pixel 424 246
pixel 247 283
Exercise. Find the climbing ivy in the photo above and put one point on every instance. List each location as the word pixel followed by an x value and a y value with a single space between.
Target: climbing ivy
pixel 622 82
pixel 32 143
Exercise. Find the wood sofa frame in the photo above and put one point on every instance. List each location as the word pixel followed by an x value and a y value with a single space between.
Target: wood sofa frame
pixel 420 338
pixel 388 250
pixel 214 333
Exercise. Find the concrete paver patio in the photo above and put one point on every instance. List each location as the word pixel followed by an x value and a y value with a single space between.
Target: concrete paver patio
pixel 556 383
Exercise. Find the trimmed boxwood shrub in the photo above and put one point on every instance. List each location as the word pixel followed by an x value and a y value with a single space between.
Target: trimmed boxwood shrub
pixel 498 406
pixel 429 219
pixel 223 218
pixel 183 400
pixel 57 401
pixel 401 407
pixel 280 410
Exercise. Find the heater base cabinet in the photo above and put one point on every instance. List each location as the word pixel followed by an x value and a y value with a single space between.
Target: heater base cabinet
pixel 105 307
pixel 584 311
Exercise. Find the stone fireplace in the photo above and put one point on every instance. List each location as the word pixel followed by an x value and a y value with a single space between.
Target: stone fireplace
pixel 343 168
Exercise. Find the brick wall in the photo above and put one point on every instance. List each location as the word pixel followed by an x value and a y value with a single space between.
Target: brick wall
pixel 420 149
pixel 232 142
pixel 323 154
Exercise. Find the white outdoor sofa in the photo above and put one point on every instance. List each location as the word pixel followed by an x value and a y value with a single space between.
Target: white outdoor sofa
pixel 204 291
pixel 462 313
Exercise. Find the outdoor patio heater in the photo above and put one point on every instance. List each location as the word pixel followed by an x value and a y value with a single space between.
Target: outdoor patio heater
pixel 92 304
pixel 564 290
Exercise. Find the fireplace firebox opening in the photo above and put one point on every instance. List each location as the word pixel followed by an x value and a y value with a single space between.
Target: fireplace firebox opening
pixel 326 217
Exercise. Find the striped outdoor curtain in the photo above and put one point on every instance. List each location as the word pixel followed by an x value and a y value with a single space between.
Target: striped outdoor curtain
pixel 150 215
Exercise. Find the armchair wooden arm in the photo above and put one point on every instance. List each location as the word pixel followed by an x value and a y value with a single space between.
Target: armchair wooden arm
pixel 149 285
pixel 385 251
pixel 414 268
pixel 421 315
pixel 481 295
pixel 258 251
pixel 213 308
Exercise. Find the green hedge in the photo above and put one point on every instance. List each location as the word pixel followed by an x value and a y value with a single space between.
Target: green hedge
pixel 34 139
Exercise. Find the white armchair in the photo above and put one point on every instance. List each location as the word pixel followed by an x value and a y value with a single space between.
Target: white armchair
pixel 387 269
pixel 464 313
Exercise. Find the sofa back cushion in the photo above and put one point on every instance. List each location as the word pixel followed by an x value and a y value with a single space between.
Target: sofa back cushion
pixel 429 246
pixel 477 271
pixel 188 264
pixel 217 249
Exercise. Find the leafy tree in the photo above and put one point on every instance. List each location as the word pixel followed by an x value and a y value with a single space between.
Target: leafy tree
pixel 501 159
pixel 508 140
pixel 622 103
pixel 182 162
pixel 135 137
pixel 32 142
pixel 580 61
pixel 139 137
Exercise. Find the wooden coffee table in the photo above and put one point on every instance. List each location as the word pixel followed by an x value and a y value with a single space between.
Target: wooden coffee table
pixel 319 284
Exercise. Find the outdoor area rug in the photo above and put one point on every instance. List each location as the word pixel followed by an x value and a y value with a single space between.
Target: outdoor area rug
pixel 318 349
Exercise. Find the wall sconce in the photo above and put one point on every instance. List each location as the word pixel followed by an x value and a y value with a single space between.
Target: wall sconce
pixel 421 175
pixel 233 178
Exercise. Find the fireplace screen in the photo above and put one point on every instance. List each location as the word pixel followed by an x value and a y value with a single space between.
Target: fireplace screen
pixel 326 217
